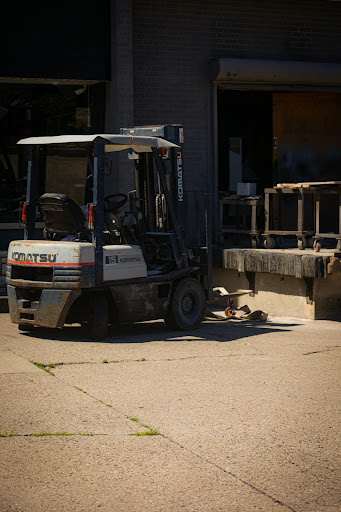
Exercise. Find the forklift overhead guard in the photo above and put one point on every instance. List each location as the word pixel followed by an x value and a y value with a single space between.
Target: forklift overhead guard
pixel 138 143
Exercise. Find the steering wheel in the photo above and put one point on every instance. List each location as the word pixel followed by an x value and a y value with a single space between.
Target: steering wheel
pixel 111 205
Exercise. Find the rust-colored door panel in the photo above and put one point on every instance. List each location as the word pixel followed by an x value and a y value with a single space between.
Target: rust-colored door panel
pixel 306 136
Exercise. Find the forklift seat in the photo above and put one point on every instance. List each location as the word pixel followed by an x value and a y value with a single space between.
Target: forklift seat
pixel 62 216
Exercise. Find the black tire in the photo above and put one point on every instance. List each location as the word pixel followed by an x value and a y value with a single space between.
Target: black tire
pixel 99 323
pixel 301 243
pixel 254 243
pixel 269 242
pixel 317 245
pixel 25 327
pixel 187 305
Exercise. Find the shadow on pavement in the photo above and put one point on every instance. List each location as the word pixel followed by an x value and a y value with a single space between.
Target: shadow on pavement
pixel 157 331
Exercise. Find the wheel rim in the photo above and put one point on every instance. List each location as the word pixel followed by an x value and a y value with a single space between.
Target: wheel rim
pixel 188 304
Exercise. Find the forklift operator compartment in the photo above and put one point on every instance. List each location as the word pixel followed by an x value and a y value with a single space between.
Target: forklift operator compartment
pixel 100 265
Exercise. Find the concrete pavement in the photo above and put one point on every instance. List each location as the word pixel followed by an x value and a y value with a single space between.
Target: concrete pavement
pixel 238 416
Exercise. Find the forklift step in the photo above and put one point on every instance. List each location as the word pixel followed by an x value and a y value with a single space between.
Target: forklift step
pixel 27 321
pixel 23 303
pixel 26 306
pixel 27 311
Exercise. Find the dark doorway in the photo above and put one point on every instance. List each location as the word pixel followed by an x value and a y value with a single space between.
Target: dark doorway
pixel 246 115
pixel 33 110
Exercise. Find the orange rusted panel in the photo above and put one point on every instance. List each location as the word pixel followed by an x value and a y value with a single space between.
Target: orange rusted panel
pixel 307 136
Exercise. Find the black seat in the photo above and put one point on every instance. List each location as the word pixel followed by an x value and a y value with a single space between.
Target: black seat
pixel 62 216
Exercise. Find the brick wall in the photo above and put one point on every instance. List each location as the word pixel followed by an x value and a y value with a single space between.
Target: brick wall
pixel 174 40
pixel 3 263
pixel 120 98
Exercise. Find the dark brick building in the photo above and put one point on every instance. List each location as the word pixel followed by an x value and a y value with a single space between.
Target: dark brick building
pixel 267 73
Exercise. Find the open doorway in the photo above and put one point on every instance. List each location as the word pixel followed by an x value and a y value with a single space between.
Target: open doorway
pixel 245 127
pixel 36 110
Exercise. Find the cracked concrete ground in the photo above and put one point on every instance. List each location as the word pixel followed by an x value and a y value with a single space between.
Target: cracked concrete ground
pixel 236 417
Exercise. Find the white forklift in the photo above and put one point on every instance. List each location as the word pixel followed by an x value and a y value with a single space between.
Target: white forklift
pixel 99 265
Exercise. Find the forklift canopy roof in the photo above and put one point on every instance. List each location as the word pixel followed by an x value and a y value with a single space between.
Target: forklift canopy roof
pixel 139 144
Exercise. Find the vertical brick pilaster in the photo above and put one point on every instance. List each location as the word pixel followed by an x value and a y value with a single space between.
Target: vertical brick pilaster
pixel 119 110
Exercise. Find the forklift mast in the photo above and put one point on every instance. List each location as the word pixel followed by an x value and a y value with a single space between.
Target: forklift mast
pixel 148 187
pixel 151 198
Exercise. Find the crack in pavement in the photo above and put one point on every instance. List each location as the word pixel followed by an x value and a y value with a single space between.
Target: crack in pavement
pixel 160 434
pixel 50 434
pixel 182 447
pixel 70 363
pixel 115 361
pixel 321 351
pixel 245 482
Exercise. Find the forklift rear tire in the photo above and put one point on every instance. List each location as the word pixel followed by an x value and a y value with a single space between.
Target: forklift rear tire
pixel 99 328
pixel 187 305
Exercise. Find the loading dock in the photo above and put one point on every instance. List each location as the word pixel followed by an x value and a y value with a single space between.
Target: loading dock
pixel 287 116
pixel 286 135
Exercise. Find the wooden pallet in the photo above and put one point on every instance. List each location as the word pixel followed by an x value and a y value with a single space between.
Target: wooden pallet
pixel 308 184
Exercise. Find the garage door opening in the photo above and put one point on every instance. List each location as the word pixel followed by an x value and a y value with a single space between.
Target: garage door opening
pixel 245 139
pixel 270 137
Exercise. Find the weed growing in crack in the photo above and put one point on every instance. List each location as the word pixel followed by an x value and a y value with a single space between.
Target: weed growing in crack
pixel 151 432
pixel 46 434
pixel 11 433
pixel 79 389
pixel 45 367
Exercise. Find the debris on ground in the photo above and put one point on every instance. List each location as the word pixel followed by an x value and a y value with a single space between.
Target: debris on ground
pixel 241 313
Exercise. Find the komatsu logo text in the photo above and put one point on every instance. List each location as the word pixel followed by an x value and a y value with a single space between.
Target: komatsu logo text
pixel 34 258
pixel 130 259
pixel 109 260
pixel 180 180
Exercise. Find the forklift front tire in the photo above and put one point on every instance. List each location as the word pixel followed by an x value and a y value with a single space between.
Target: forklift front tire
pixel 187 305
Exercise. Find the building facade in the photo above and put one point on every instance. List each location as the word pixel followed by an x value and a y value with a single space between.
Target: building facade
pixel 259 79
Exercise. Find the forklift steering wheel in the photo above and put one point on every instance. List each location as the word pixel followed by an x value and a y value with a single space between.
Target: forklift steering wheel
pixel 110 205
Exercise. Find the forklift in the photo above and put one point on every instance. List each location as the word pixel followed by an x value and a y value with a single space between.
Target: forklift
pixel 101 265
